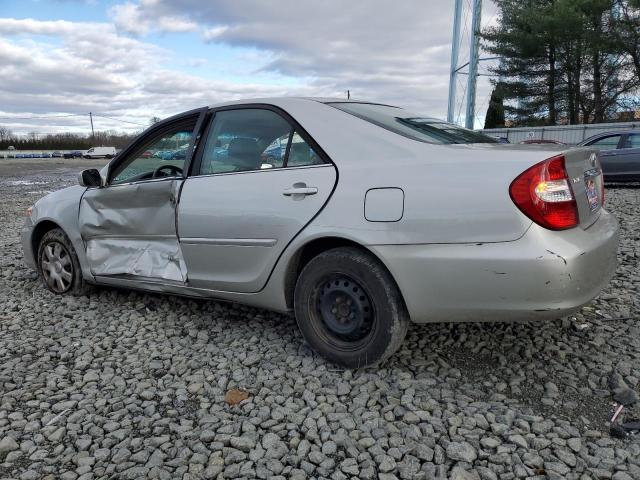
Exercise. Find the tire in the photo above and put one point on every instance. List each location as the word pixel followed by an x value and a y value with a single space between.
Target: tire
pixel 58 264
pixel 349 308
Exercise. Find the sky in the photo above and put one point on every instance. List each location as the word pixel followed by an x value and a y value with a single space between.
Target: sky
pixel 129 60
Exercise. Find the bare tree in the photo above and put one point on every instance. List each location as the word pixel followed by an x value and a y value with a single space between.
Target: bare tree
pixel 5 133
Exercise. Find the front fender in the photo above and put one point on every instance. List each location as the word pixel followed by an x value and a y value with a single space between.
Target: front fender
pixel 60 207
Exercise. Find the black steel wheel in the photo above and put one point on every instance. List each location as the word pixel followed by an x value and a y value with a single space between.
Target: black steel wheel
pixel 345 309
pixel 58 264
pixel 349 308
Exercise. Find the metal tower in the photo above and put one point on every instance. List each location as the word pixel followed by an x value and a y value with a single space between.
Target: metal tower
pixel 472 72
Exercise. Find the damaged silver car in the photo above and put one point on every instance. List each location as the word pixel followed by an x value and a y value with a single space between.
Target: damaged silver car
pixel 359 217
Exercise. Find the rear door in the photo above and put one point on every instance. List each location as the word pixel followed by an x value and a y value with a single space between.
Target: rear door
pixel 608 146
pixel 129 225
pixel 627 158
pixel 257 181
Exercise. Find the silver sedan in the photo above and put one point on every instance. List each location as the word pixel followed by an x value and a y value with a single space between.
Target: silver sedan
pixel 359 217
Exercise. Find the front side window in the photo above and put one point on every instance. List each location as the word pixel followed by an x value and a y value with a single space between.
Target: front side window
pixel 163 155
pixel 411 125
pixel 606 143
pixel 253 139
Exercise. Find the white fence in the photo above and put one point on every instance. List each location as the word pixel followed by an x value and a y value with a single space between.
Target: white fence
pixel 569 134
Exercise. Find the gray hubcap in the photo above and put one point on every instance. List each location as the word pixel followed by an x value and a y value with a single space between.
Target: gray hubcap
pixel 57 267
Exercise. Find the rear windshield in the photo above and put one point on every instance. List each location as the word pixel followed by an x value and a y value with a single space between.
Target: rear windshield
pixel 407 124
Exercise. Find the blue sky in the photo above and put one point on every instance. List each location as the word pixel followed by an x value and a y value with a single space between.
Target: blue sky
pixel 133 59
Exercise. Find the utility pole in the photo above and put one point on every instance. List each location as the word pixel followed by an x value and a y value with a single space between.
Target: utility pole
pixel 93 135
pixel 348 94
pixel 472 79
pixel 472 64
pixel 455 50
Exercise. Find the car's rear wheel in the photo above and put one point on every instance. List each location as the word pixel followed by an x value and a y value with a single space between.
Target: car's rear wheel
pixel 349 308
pixel 58 264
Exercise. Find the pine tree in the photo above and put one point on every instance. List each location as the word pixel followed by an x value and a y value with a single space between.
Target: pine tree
pixel 566 61
pixel 495 111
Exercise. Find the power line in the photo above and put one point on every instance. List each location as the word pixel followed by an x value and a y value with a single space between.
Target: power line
pixel 51 117
pixel 119 120
pixel 43 117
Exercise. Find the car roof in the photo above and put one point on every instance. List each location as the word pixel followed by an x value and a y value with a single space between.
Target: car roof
pixel 282 101
pixel 609 133
pixel 616 132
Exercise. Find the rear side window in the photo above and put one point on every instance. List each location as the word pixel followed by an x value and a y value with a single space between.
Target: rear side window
pixel 633 141
pixel 253 139
pixel 301 154
pixel 606 143
pixel 414 126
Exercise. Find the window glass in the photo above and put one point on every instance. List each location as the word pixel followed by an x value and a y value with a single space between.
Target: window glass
pixel 245 139
pixel 162 156
pixel 273 156
pixel 633 141
pixel 301 154
pixel 407 124
pixel 606 143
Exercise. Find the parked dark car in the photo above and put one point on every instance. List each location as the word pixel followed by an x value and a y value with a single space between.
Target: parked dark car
pixel 619 154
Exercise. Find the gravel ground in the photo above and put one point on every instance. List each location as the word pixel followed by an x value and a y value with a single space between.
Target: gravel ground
pixel 120 384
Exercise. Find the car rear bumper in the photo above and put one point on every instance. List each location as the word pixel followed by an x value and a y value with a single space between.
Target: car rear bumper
pixel 543 275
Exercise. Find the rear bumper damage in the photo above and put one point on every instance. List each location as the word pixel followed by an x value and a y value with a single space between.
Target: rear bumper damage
pixel 543 275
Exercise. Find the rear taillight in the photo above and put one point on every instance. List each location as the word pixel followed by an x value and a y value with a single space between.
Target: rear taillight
pixel 543 194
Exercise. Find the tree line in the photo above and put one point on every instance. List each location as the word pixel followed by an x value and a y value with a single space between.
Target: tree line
pixel 564 61
pixel 63 141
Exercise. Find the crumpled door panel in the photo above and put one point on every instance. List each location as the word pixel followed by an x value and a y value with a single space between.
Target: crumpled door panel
pixel 131 230
pixel 158 258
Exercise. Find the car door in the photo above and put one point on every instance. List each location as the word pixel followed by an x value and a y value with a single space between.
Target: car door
pixel 246 199
pixel 608 145
pixel 129 225
pixel 628 157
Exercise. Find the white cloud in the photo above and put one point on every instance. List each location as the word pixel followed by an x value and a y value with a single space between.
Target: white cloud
pixel 83 67
pixel 132 18
pixel 393 52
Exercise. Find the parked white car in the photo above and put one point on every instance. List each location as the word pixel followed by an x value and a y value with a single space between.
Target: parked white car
pixel 369 218
pixel 100 152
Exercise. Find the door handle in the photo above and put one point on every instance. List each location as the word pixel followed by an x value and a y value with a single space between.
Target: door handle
pixel 300 189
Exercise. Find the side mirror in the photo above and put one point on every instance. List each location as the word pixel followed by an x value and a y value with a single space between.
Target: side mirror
pixel 90 178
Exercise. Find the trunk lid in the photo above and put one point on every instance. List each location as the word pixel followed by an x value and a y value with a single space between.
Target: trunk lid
pixel 586 180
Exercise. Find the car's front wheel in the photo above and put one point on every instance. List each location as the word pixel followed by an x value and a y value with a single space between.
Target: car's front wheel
pixel 58 264
pixel 349 309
